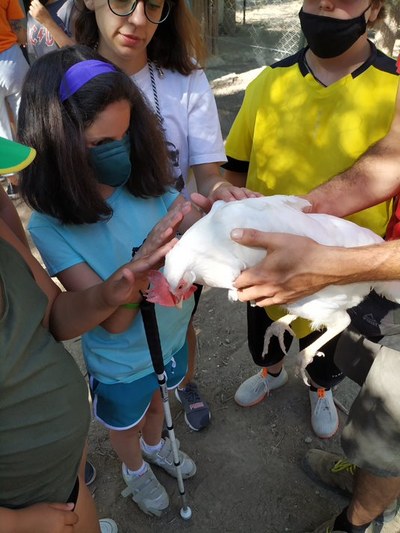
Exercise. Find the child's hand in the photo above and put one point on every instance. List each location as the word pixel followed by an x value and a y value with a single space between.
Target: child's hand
pixel 228 193
pixel 127 284
pixel 39 12
pixel 46 518
pixel 165 230
pixel 201 201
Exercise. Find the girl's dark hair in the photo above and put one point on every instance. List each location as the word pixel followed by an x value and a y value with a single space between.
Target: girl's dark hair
pixel 176 45
pixel 61 182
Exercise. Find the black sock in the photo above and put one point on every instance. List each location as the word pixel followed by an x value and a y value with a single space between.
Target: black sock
pixel 274 375
pixel 342 524
pixel 314 389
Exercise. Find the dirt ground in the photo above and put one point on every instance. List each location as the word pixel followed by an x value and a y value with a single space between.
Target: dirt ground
pixel 249 474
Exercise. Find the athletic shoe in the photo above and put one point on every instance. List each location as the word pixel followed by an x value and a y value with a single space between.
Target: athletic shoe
pixel 147 492
pixel 164 459
pixel 389 520
pixel 197 414
pixel 327 527
pixel 255 388
pixel 336 472
pixel 12 191
pixel 331 469
pixel 324 416
pixel 90 473
pixel 107 525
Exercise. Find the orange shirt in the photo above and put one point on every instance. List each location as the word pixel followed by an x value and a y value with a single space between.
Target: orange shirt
pixel 9 10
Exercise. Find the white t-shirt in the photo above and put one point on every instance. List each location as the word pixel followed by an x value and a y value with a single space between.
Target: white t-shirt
pixel 190 115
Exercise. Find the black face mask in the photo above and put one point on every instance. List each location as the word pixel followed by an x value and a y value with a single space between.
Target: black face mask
pixel 331 37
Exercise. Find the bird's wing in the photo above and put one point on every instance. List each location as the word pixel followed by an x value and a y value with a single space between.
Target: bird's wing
pixel 207 250
pixel 334 231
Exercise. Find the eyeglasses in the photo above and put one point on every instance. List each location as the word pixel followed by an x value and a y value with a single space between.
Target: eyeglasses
pixel 156 11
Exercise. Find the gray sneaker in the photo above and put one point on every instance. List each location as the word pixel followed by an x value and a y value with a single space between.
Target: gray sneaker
pixel 255 388
pixel 147 492
pixel 324 416
pixel 197 413
pixel 165 460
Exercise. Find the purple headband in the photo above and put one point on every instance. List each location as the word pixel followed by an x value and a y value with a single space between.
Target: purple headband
pixel 80 73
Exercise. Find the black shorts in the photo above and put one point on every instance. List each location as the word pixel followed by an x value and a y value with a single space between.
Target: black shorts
pixel 322 370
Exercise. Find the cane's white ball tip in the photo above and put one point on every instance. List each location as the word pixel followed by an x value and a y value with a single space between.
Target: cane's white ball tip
pixel 186 513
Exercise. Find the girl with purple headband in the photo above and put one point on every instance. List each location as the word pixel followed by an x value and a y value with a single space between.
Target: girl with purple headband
pixel 100 187
pixel 44 408
pixel 158 44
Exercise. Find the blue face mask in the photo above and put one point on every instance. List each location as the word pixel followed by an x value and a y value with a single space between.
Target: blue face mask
pixel 112 162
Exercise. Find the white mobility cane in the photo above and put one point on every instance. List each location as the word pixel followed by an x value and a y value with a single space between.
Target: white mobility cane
pixel 153 340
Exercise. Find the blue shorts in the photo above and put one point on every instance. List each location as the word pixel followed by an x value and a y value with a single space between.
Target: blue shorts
pixel 121 406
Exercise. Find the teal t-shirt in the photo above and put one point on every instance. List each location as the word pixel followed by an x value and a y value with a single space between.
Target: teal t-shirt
pixel 105 246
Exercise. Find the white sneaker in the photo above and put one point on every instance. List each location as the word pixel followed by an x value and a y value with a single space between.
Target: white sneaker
pixel 255 388
pixel 164 458
pixel 147 492
pixel 324 416
pixel 107 525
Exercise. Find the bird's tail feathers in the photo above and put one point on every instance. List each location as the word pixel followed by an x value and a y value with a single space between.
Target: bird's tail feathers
pixel 389 289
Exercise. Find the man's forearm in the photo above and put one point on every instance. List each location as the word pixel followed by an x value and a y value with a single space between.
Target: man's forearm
pixel 59 36
pixel 374 178
pixel 378 262
pixel 283 276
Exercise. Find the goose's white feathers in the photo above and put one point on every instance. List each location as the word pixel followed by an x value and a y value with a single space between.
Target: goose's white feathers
pixel 206 254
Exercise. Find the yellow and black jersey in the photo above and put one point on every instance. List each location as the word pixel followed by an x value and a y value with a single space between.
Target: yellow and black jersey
pixel 292 133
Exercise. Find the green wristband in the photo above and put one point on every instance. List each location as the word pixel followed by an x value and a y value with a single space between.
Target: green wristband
pixel 133 305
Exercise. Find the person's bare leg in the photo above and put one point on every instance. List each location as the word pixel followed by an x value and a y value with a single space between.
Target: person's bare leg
pixel 85 506
pixel 371 496
pixel 127 446
pixel 153 425
pixel 197 412
pixel 276 368
pixel 86 510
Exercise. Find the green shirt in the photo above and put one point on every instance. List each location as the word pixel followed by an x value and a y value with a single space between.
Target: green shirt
pixel 44 411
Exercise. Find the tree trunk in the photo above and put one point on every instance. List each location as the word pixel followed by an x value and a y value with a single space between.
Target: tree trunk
pixel 206 11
